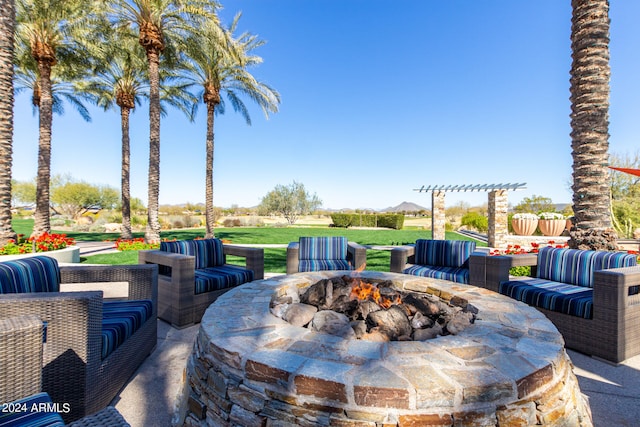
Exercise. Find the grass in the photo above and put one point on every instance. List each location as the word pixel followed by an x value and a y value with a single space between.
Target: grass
pixel 275 258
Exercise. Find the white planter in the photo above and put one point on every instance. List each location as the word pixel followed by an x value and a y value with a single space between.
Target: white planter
pixel 70 254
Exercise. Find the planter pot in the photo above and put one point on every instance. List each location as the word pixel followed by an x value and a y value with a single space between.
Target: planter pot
pixel 524 226
pixel 569 225
pixel 70 254
pixel 552 227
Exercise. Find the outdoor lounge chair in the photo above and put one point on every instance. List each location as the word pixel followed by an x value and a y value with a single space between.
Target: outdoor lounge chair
pixel 91 346
pixel 21 349
pixel 194 273
pixel 325 253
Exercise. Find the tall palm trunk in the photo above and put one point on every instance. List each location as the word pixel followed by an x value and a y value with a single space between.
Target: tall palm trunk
pixel 42 214
pixel 7 25
pixel 209 214
pixel 125 179
pixel 152 234
pixel 590 74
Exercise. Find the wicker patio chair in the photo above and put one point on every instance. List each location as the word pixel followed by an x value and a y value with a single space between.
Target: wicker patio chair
pixel 21 349
pixel 194 273
pixel 325 253
pixel 91 347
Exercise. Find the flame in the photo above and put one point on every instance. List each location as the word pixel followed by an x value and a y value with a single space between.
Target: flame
pixel 363 291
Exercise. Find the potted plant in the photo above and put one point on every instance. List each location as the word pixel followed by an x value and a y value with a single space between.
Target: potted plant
pixel 551 223
pixel 524 224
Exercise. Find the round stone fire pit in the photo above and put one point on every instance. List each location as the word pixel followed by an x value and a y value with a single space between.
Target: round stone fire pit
pixel 251 368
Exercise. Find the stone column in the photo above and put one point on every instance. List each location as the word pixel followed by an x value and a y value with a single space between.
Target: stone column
pixel 438 217
pixel 498 227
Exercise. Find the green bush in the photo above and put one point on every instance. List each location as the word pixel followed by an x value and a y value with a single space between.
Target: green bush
pixel 394 221
pixel 476 221
pixel 341 220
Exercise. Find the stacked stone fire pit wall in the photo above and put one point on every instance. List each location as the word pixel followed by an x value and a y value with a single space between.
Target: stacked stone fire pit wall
pixel 250 368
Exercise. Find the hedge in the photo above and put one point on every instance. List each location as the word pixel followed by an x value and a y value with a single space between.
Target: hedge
pixel 395 221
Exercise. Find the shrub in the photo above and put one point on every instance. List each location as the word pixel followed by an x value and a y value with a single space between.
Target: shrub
pixel 136 244
pixel 476 221
pixel 44 243
pixel 395 221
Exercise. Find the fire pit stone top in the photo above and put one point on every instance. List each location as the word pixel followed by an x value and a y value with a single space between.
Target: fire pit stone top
pixel 511 365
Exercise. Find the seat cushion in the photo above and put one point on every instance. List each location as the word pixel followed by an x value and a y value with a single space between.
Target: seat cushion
pixel 554 296
pixel 34 274
pixel 208 252
pixel 576 267
pixel 323 248
pixel 444 253
pixel 221 277
pixel 453 274
pixel 120 320
pixel 319 265
pixel 33 411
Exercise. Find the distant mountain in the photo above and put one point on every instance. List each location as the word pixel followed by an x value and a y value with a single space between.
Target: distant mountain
pixel 405 207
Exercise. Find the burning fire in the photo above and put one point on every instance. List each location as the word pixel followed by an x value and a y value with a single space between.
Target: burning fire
pixel 363 291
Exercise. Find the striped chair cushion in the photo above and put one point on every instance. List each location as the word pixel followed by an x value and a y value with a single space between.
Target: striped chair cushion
pixel 208 252
pixel 25 416
pixel 554 296
pixel 320 264
pixel 120 320
pixel 322 248
pixel 576 267
pixel 444 253
pixel 222 277
pixel 453 274
pixel 35 274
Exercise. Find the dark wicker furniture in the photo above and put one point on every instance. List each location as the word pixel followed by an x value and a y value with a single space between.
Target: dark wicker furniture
pixel 325 253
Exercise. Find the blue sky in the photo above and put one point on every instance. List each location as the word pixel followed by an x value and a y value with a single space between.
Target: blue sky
pixel 378 98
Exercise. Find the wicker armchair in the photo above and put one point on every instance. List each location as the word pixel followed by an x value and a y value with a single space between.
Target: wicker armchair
pixel 325 253
pixel 21 379
pixel 194 273
pixel 77 367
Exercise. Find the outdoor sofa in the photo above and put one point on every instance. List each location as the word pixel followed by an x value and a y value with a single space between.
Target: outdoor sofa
pixel 592 297
pixel 325 253
pixel 194 273
pixel 21 353
pixel 92 346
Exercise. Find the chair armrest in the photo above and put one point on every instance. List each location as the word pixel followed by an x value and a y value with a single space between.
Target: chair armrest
pixel 358 254
pixel 254 258
pixel 20 357
pixel 400 256
pixel 478 268
pixel 617 289
pixel 498 267
pixel 142 279
pixel 293 251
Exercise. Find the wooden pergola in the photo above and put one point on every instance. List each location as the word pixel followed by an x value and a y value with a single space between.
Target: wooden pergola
pixel 497 208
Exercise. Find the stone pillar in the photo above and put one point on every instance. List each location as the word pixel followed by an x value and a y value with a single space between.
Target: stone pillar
pixel 438 217
pixel 498 227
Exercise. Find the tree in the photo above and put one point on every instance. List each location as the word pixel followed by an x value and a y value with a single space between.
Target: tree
pixel 23 194
pixel 218 63
pixel 290 201
pixel 7 24
pixel 160 25
pixel 535 204
pixel 590 75
pixel 76 198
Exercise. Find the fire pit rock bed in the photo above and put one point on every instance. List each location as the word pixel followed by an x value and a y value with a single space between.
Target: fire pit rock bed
pixel 251 368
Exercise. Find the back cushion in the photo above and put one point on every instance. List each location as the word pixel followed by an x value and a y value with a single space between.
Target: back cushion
pixel 330 248
pixel 576 266
pixel 35 274
pixel 444 253
pixel 208 252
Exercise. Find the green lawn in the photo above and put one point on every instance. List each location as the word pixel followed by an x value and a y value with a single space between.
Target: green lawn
pixel 275 258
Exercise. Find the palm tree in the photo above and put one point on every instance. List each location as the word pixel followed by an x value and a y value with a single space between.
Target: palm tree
pixel 7 23
pixel 590 74
pixel 48 28
pixel 160 25
pixel 220 64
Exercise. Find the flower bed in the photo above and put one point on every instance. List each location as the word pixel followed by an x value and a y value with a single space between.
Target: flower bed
pixel 44 243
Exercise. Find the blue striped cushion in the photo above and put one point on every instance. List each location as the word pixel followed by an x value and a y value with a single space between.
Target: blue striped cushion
pixel 222 277
pixel 41 416
pixel 576 267
pixel 444 253
pixel 34 274
pixel 120 320
pixel 553 296
pixel 453 274
pixel 324 264
pixel 322 248
pixel 208 252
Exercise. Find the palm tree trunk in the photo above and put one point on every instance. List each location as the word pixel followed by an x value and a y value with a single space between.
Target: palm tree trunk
pixel 42 214
pixel 209 214
pixel 590 74
pixel 7 24
pixel 125 181
pixel 152 234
